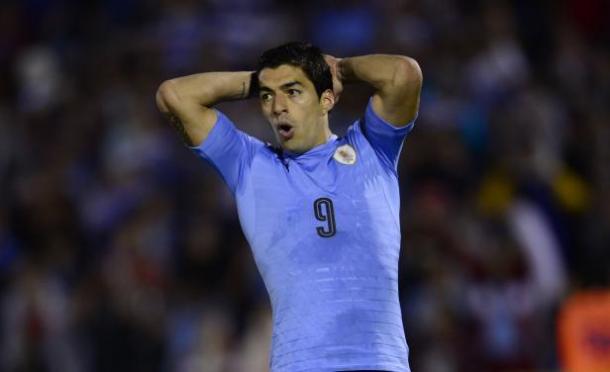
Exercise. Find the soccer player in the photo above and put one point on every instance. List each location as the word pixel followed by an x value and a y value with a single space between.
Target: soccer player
pixel 321 212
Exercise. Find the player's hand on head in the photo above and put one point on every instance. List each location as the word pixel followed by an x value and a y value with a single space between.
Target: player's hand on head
pixel 333 62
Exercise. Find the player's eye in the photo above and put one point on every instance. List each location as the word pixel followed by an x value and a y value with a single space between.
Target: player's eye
pixel 293 92
pixel 265 97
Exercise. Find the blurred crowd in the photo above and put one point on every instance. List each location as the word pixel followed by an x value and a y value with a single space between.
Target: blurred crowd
pixel 122 251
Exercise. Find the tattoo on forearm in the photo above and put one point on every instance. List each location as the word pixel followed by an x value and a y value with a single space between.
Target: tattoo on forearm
pixel 177 124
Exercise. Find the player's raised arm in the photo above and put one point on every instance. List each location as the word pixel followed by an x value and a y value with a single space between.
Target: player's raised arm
pixel 187 100
pixel 397 81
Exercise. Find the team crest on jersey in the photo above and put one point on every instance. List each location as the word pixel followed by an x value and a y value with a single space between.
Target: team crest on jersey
pixel 345 155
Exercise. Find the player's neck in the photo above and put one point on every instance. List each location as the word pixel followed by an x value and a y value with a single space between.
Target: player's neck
pixel 324 135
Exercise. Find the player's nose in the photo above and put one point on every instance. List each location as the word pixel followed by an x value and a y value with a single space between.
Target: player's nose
pixel 279 105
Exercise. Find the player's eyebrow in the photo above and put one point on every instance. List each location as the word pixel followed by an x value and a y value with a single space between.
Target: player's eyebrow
pixel 284 86
pixel 291 84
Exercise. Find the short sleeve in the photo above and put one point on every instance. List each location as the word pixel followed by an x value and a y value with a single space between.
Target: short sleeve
pixel 385 138
pixel 228 150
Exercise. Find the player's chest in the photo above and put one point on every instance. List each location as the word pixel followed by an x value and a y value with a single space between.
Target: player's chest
pixel 285 191
pixel 343 172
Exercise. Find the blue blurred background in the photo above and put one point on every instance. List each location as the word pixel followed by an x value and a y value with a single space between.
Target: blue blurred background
pixel 121 251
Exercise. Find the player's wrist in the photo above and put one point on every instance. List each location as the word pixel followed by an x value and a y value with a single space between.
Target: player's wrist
pixel 252 90
pixel 338 70
pixel 344 71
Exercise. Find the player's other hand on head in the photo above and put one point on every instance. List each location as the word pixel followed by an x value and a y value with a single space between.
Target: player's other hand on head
pixel 333 62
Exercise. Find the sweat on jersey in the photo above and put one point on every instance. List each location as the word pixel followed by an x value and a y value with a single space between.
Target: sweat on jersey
pixel 325 234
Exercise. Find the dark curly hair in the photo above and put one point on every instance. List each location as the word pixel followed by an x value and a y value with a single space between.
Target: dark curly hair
pixel 299 54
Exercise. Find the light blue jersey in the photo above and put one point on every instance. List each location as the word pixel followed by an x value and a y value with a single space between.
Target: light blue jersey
pixel 325 233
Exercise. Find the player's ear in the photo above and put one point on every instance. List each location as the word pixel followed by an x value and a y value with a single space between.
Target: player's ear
pixel 327 101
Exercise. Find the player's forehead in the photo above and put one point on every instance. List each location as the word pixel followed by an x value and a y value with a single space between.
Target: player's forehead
pixel 274 78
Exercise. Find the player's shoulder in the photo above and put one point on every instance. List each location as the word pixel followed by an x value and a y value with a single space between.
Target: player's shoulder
pixel 227 129
pixel 269 153
pixel 355 134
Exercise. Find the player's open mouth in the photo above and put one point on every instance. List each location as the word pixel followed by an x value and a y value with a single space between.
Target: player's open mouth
pixel 286 131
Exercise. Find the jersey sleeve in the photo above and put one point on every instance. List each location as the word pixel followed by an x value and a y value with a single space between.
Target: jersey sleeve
pixel 228 150
pixel 385 138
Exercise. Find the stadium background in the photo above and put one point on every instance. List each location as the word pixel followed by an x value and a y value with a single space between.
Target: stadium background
pixel 120 251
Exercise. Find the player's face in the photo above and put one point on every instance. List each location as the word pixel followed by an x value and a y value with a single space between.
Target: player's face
pixel 290 103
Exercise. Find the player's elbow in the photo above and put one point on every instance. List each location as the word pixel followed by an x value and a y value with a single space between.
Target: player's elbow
pixel 166 97
pixel 163 95
pixel 407 73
